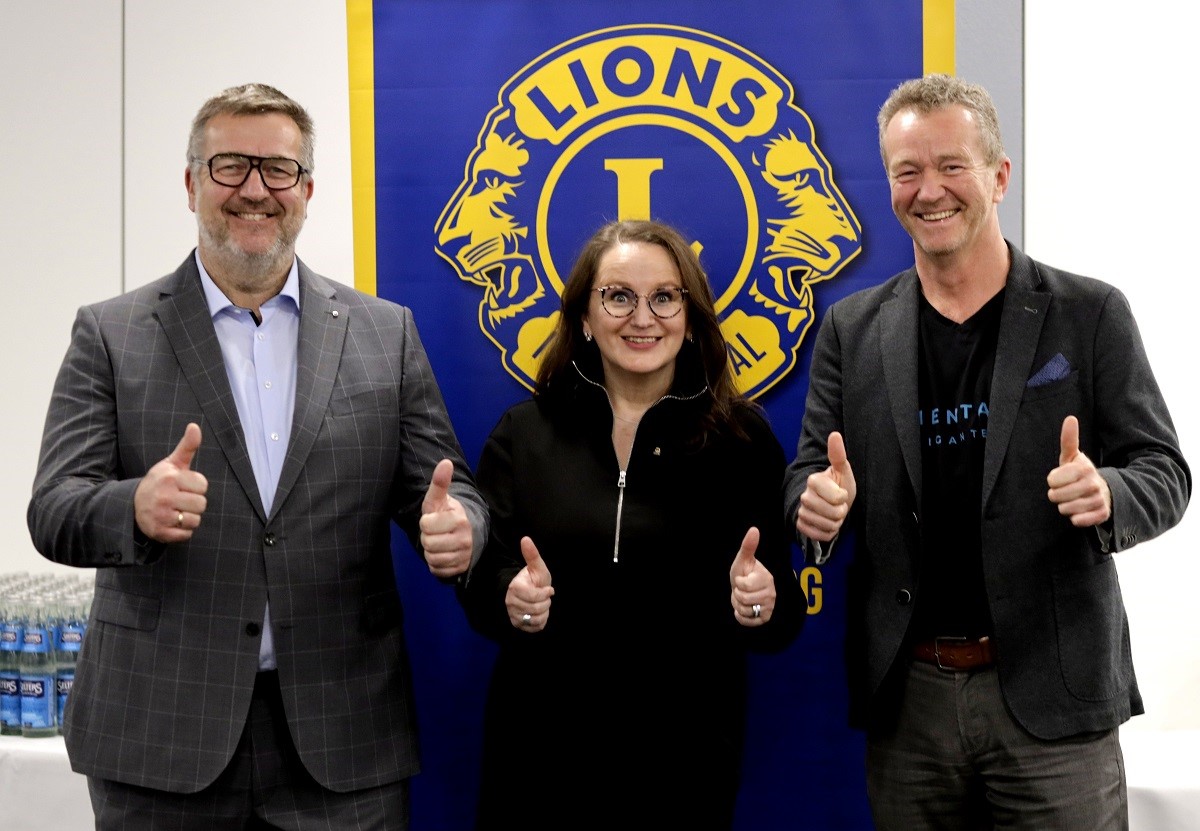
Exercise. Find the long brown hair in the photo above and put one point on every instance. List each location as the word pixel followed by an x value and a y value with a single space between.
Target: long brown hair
pixel 703 357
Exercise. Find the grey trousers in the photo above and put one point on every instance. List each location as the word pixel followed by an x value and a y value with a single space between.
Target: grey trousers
pixel 957 761
pixel 265 786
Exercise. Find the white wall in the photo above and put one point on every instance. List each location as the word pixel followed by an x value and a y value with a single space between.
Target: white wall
pixel 96 100
pixel 1110 191
pixel 96 104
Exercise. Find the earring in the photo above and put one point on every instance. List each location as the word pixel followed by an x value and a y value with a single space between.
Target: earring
pixel 587 336
pixel 688 336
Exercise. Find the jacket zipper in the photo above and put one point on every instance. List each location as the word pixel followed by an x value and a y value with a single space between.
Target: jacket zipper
pixel 621 474
pixel 620 506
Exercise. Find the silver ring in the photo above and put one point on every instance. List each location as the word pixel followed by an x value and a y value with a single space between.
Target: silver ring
pixel 756 609
pixel 179 520
pixel 526 618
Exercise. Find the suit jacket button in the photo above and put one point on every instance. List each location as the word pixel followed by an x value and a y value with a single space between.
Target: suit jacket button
pixel 252 629
pixel 904 597
pixel 269 540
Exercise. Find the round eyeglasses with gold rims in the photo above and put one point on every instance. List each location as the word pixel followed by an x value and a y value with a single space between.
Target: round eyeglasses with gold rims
pixel 620 301
pixel 233 169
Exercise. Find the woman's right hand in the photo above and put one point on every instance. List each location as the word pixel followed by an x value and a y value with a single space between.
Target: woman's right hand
pixel 529 593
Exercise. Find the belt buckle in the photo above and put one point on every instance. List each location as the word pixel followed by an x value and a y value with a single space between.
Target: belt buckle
pixel 938 655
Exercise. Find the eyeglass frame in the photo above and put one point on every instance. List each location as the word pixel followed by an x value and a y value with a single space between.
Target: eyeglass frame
pixel 256 163
pixel 637 298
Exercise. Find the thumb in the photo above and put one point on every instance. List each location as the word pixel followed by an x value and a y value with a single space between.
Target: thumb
pixel 439 487
pixel 838 462
pixel 534 562
pixel 1069 440
pixel 185 451
pixel 743 563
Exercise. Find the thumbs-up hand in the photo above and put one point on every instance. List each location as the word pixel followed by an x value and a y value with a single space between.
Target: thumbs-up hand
pixel 752 585
pixel 1076 487
pixel 446 536
pixel 828 495
pixel 529 593
pixel 170 499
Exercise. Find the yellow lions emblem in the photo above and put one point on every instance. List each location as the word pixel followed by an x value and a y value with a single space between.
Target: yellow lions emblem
pixel 639 122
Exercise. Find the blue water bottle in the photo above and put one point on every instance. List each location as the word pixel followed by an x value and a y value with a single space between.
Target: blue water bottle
pixel 12 636
pixel 70 638
pixel 39 704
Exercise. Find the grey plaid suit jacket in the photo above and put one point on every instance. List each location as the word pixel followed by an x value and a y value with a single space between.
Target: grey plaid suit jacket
pixel 165 676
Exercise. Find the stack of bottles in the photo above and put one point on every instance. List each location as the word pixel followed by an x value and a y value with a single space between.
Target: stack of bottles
pixel 43 618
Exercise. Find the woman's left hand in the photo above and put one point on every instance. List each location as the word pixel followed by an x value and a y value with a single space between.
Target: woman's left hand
pixel 752 586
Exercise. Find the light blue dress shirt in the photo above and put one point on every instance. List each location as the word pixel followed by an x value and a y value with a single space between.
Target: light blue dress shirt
pixel 260 360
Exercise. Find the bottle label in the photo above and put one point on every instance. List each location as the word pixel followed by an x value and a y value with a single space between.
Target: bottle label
pixel 39 705
pixel 70 638
pixel 63 683
pixel 11 638
pixel 36 640
pixel 10 699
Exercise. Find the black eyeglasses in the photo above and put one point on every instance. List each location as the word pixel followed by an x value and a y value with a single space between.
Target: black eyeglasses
pixel 233 169
pixel 620 301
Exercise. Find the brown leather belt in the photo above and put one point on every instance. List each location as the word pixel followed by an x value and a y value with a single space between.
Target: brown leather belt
pixel 956 653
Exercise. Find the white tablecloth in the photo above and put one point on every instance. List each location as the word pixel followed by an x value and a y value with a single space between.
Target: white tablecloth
pixel 38 789
pixel 40 792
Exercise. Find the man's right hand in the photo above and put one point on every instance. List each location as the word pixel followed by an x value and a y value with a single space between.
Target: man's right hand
pixel 827 496
pixel 170 499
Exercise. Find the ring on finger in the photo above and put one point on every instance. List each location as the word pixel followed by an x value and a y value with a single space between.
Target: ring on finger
pixel 526 619
pixel 756 610
pixel 179 520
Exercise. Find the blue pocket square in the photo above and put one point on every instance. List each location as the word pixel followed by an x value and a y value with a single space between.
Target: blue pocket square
pixel 1055 369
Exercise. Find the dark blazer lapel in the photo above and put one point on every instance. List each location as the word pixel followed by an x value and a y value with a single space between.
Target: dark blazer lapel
pixel 898 351
pixel 183 313
pixel 1021 323
pixel 323 322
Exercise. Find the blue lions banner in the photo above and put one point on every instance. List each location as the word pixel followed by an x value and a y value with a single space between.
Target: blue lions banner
pixel 491 137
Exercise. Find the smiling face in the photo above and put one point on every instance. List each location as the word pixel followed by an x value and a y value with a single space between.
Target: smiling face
pixel 248 233
pixel 943 191
pixel 637 351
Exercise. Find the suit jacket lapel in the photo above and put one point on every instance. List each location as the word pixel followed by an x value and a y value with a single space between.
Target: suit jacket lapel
pixel 898 351
pixel 1021 323
pixel 183 313
pixel 323 323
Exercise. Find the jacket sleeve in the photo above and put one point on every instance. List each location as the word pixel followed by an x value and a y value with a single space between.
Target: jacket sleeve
pixel 822 416
pixel 81 510
pixel 428 437
pixel 1135 446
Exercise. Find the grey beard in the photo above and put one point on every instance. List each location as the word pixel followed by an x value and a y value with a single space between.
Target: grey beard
pixel 248 269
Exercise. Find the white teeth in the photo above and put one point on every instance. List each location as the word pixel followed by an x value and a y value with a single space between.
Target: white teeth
pixel 252 217
pixel 939 215
pixel 641 340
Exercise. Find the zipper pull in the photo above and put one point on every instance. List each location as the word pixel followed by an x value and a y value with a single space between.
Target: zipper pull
pixel 620 507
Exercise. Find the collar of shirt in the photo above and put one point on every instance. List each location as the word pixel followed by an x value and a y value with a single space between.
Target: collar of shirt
pixel 218 302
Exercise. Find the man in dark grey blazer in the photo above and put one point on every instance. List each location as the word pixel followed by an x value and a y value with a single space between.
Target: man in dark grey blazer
pixel 986 432
pixel 228 446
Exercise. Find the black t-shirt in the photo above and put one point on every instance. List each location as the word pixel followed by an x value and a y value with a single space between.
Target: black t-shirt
pixel 954 385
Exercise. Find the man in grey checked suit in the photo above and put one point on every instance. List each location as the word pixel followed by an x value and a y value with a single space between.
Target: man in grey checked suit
pixel 989 429
pixel 228 447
